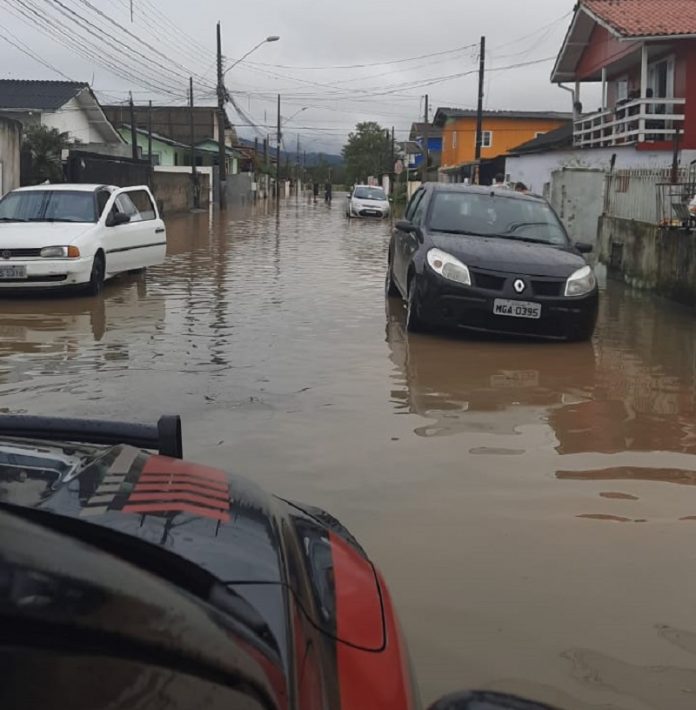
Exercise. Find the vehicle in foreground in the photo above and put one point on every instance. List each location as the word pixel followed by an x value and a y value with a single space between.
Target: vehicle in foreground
pixel 129 578
pixel 74 235
pixel 490 260
pixel 368 201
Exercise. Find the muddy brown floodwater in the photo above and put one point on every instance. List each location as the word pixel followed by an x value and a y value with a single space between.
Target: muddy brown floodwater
pixel 533 506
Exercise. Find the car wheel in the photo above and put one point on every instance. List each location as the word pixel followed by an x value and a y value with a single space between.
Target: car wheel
pixel 414 324
pixel 96 279
pixel 390 289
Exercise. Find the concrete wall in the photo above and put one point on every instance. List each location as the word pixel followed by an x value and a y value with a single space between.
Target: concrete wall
pixel 10 150
pixel 174 191
pixel 648 257
pixel 535 170
pixel 578 197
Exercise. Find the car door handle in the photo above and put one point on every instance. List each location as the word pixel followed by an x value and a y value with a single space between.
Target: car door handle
pixel 159 230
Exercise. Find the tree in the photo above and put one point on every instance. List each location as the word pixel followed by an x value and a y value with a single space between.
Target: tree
pixel 45 146
pixel 367 153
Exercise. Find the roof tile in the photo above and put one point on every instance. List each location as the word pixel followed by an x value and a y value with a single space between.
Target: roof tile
pixel 646 18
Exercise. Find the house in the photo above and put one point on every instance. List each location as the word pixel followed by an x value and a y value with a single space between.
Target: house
pixel 68 106
pixel 167 152
pixel 502 131
pixel 642 53
pixel 434 145
pixel 10 147
pixel 174 122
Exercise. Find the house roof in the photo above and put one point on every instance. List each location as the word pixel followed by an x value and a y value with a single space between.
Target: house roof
pixel 626 20
pixel 443 114
pixel 38 95
pixel 645 18
pixel 553 140
pixel 417 130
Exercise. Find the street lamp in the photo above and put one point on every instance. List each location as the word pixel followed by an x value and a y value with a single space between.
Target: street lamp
pixel 222 98
pixel 297 113
pixel 271 38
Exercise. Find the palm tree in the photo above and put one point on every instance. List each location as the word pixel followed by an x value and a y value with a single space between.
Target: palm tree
pixel 45 146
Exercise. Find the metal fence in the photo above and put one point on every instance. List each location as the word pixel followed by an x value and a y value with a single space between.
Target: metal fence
pixel 637 195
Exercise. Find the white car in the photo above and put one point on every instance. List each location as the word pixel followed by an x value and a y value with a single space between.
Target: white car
pixel 54 236
pixel 368 201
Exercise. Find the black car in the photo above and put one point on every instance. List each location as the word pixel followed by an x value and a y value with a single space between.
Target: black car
pixel 491 260
pixel 131 579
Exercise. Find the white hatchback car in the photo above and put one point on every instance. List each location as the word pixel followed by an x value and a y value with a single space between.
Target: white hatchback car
pixel 368 201
pixel 77 235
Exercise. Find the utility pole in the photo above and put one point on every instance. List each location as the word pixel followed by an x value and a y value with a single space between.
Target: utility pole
pixel 479 110
pixel 134 132
pixel 194 174
pixel 149 132
pixel 297 168
pixel 280 138
pixel 222 151
pixel 426 137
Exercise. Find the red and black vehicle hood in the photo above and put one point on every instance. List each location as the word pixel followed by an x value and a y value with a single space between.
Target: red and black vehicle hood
pixel 318 603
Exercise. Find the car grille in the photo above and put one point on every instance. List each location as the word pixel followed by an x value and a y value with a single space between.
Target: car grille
pixel 18 253
pixel 548 288
pixel 488 281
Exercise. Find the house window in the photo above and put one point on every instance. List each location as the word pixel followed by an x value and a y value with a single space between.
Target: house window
pixel 156 158
pixel 622 89
pixel 454 140
pixel 486 139
pixel 176 158
pixel 538 134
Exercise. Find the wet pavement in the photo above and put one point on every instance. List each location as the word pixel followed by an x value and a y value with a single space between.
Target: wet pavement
pixel 532 505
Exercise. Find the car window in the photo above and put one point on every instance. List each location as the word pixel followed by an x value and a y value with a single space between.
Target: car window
pixel 417 217
pixel 370 193
pixel 102 199
pixel 143 204
pixel 48 206
pixel 494 214
pixel 413 204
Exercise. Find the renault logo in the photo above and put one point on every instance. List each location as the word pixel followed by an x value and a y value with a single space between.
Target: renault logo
pixel 6 254
pixel 519 286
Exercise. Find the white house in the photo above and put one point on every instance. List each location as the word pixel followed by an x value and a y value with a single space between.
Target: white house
pixel 69 106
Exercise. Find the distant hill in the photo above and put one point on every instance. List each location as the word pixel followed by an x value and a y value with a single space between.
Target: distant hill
pixel 311 158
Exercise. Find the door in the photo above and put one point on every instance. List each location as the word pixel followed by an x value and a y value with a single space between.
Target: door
pixel 139 242
pixel 401 243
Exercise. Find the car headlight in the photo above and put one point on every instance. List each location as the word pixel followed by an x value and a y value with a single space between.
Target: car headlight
pixel 60 253
pixel 581 282
pixel 449 267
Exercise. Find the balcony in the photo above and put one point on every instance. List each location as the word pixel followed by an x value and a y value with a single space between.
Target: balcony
pixel 637 121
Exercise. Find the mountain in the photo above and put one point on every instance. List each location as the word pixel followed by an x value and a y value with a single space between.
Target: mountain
pixel 312 159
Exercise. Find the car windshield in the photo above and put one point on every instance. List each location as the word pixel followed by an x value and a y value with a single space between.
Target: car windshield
pixel 495 215
pixel 48 206
pixel 370 193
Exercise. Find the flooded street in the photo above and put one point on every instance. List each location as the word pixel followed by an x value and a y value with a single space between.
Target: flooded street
pixel 531 505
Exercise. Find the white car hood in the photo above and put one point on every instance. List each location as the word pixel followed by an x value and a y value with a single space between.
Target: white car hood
pixel 370 204
pixel 35 235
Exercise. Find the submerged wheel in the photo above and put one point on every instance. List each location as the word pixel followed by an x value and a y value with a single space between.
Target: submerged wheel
pixel 414 323
pixel 390 289
pixel 96 279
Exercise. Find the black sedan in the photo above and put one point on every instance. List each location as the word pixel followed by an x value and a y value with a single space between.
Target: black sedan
pixel 490 260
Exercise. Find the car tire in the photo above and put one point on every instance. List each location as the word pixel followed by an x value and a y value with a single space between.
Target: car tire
pixel 390 289
pixel 96 279
pixel 414 323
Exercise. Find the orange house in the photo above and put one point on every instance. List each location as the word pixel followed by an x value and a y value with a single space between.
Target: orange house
pixel 502 131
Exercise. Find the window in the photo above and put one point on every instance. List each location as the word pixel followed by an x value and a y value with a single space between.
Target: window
pixel 102 198
pixel 487 139
pixel 419 211
pixel 48 206
pixel 156 158
pixel 370 193
pixel 538 134
pixel 622 89
pixel 142 203
pixel 454 140
pixel 412 205
pixel 176 158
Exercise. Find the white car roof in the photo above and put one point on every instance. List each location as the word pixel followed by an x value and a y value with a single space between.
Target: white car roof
pixel 73 187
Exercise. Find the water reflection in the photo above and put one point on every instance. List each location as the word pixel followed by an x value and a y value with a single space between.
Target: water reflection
pixel 468 385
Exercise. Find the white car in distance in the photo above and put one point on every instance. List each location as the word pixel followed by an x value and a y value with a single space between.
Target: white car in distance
pixel 73 235
pixel 368 201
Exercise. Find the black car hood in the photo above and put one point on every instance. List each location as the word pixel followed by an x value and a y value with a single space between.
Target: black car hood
pixel 509 255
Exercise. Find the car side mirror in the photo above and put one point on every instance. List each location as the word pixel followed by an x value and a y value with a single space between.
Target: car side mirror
pixel 403 225
pixel 584 247
pixel 114 220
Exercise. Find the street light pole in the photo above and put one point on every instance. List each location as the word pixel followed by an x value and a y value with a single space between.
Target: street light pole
pixel 279 138
pixel 222 151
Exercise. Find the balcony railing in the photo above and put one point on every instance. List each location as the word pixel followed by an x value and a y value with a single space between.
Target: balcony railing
pixel 637 121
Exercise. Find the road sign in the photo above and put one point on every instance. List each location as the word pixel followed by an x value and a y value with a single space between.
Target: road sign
pixel 399 167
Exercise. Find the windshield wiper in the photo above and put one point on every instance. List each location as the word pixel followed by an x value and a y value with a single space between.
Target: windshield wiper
pixel 463 232
pixel 530 240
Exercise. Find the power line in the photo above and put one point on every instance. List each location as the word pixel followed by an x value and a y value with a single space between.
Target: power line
pixel 25 50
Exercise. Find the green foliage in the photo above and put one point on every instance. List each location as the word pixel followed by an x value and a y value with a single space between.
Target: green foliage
pixel 45 146
pixel 367 152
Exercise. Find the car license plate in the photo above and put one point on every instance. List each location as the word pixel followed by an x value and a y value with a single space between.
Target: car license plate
pixel 516 309
pixel 13 272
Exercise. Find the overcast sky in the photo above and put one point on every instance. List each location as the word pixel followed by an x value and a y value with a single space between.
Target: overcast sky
pixel 313 64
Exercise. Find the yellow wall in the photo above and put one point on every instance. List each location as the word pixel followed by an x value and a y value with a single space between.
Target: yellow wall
pixel 459 136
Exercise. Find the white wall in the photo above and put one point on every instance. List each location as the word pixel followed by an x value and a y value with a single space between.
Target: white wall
pixel 535 170
pixel 73 119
